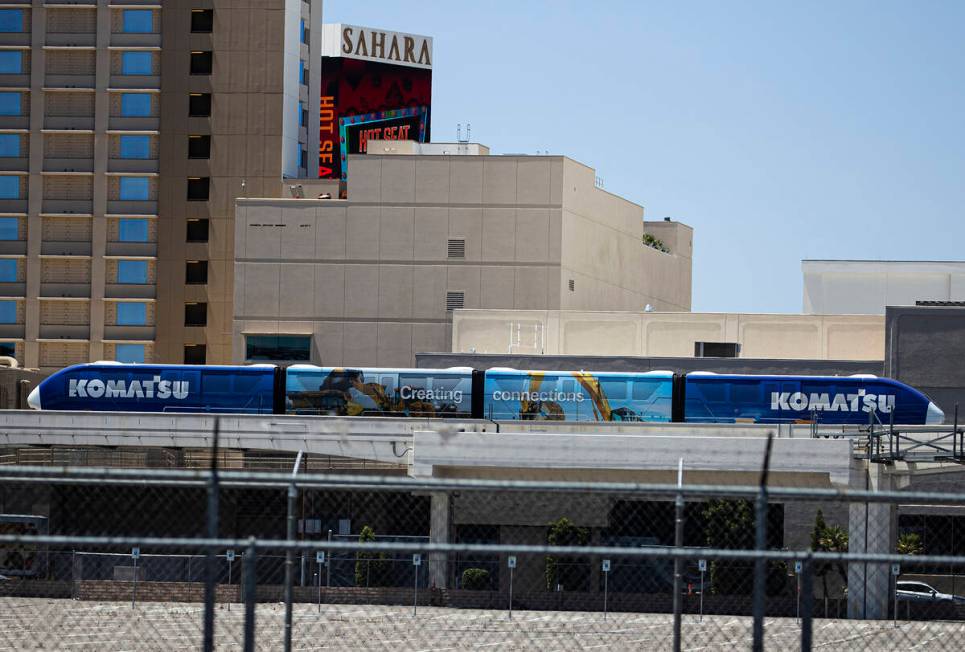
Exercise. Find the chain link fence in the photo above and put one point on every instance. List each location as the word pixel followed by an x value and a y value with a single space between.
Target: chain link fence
pixel 158 559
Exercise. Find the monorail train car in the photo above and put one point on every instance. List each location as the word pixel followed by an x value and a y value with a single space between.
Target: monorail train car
pixel 731 398
pixel 496 394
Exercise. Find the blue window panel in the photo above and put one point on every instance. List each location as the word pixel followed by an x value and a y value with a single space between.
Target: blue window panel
pixel 11 62
pixel 129 353
pixel 137 63
pixel 301 115
pixel 303 31
pixel 135 105
pixel 11 20
pixel 10 103
pixel 131 314
pixel 138 21
pixel 8 312
pixel 9 228
pixel 132 230
pixel 8 270
pixel 9 187
pixel 132 271
pixel 301 72
pixel 10 145
pixel 136 147
pixel 135 188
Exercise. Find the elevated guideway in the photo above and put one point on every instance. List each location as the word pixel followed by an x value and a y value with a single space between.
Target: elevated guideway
pixel 731 452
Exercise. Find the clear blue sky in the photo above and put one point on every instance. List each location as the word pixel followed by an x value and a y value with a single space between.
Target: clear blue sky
pixel 778 130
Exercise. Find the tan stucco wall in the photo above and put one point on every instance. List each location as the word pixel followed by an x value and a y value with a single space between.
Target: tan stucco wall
pixel 817 337
pixel 368 276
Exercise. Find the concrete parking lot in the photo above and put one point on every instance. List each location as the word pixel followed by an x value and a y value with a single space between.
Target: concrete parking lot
pixel 73 625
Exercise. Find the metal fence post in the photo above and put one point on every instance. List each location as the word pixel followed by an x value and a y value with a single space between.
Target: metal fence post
pixel 211 558
pixel 289 561
pixel 807 613
pixel 251 594
pixel 760 566
pixel 677 562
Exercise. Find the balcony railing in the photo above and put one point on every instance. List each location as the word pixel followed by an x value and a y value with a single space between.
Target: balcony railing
pixel 68 164
pixel 131 249
pixel 65 290
pixel 132 165
pixel 65 248
pixel 64 331
pixel 118 207
pixel 130 291
pixel 114 332
pixel 68 206
pixel 63 39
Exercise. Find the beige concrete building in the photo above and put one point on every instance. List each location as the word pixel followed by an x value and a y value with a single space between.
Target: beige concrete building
pixel 866 287
pixel 374 279
pixel 675 334
pixel 126 131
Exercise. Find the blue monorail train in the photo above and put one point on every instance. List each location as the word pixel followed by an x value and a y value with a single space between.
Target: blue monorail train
pixel 496 394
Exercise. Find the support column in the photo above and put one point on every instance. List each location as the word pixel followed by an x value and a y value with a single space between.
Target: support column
pixel 872 528
pixel 439 533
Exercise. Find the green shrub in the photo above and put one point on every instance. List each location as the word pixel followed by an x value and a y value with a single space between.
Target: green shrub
pixel 371 569
pixel 475 579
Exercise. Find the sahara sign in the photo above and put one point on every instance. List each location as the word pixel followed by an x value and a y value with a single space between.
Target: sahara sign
pixel 372 44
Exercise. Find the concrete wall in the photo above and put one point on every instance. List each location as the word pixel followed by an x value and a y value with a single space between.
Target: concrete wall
pixel 368 278
pixel 926 346
pixel 625 363
pixel 552 332
pixel 837 287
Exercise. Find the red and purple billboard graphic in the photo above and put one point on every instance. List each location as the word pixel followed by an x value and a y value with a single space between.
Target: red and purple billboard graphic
pixel 368 100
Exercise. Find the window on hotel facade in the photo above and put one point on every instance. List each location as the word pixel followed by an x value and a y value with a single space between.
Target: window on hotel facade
pixel 138 21
pixel 10 145
pixel 8 312
pixel 10 103
pixel 196 272
pixel 9 228
pixel 195 314
pixel 131 314
pixel 11 20
pixel 291 348
pixel 8 349
pixel 137 63
pixel 199 188
pixel 195 354
pixel 133 272
pixel 202 21
pixel 135 105
pixel 8 270
pixel 135 188
pixel 129 353
pixel 197 231
pixel 9 187
pixel 202 62
pixel 136 147
pixel 132 229
pixel 199 105
pixel 11 62
pixel 199 146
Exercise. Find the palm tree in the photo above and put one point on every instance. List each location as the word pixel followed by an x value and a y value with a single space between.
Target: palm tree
pixel 829 538
pixel 909 543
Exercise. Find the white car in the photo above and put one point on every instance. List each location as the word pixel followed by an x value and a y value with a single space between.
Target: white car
pixel 921 592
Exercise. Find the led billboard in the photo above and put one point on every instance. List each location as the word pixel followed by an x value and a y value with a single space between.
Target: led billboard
pixel 376 85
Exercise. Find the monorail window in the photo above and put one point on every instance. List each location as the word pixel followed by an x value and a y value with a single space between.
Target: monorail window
pixel 388 382
pixel 644 389
pixel 419 382
pixel 614 389
pixel 713 392
pixel 568 386
pixel 745 392
pixel 446 384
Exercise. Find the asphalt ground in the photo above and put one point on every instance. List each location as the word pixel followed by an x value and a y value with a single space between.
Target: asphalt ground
pixel 71 625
